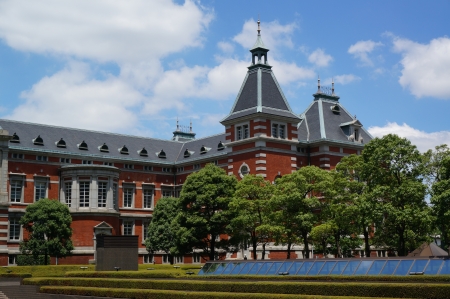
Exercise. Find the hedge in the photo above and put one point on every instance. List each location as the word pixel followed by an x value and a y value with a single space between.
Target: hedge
pixel 397 290
pixel 164 294
pixel 182 274
pixel 30 260
pixel 14 275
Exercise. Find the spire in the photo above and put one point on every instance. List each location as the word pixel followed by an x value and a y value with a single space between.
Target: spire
pixel 259 50
pixel 332 87
pixel 259 27
pixel 178 125
pixel 190 126
pixel 318 85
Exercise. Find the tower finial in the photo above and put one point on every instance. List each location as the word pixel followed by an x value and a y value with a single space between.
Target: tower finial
pixel 332 87
pixel 259 26
pixel 318 84
pixel 190 126
pixel 178 125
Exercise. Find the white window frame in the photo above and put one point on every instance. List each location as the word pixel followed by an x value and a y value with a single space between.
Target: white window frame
pixel 108 163
pixel 241 174
pixel 14 258
pixel 164 192
pixel 276 128
pixel 196 258
pixel 178 260
pixel 88 203
pixel 145 225
pixel 128 222
pixel 165 259
pixel 196 167
pixel 115 189
pixel 180 169
pixel 16 156
pixel 128 166
pixel 42 158
pixel 40 182
pixel 17 227
pixel 68 193
pixel 133 191
pixel 65 160
pixel 102 198
pixel 148 168
pixel 20 181
pixel 166 169
pixel 86 162
pixel 148 258
pixel 242 131
pixel 145 198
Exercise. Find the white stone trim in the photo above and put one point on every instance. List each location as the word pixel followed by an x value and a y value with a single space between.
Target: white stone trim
pixel 260 168
pixel 230 166
pixel 261 174
pixel 293 158
pixel 293 165
pixel 324 159
pixel 260 162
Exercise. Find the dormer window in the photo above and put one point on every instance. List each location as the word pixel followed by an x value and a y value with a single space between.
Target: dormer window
pixel 38 140
pixel 335 109
pixel 83 146
pixel 104 148
pixel 61 143
pixel 356 133
pixel 123 150
pixel 15 138
pixel 143 152
pixel 220 146
pixel 203 150
pixel 242 132
pixel 162 154
pixel 187 154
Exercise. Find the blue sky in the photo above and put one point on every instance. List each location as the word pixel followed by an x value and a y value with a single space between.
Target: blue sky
pixel 133 67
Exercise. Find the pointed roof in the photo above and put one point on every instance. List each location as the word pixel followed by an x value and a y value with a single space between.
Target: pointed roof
pixel 260 91
pixel 428 250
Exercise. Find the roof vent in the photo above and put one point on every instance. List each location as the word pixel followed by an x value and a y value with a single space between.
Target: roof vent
pixel 38 140
pixel 143 152
pixel 187 154
pixel 61 143
pixel 335 109
pixel 220 146
pixel 15 138
pixel 83 146
pixel 162 154
pixel 203 150
pixel 104 148
pixel 123 150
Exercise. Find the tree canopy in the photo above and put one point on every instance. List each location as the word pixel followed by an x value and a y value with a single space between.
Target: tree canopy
pixel 48 225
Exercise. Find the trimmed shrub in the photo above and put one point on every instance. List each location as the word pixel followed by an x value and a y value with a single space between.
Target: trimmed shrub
pixel 29 260
pixel 164 294
pixel 128 274
pixel 396 290
pixel 14 275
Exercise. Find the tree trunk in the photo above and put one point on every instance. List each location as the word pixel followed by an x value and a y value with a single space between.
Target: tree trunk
pixel 305 245
pixel 212 248
pixel 366 243
pixel 338 245
pixel 263 251
pixel 254 244
pixel 289 251
pixel 45 257
pixel 401 243
pixel 171 259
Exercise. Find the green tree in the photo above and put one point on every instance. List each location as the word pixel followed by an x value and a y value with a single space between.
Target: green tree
pixel 294 204
pixel 394 171
pixel 439 168
pixel 205 215
pixel 251 208
pixel 162 231
pixel 321 236
pixel 48 225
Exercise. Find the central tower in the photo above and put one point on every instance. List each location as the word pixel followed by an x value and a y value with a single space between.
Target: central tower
pixel 261 122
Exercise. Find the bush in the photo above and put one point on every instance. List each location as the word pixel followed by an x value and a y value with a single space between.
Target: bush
pixel 128 274
pixel 164 294
pixel 29 260
pixel 14 275
pixel 396 290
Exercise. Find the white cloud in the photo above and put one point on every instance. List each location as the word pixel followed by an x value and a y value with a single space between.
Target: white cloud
pixel 225 47
pixel 73 98
pixel 426 68
pixel 423 140
pixel 320 58
pixel 274 35
pixel 120 31
pixel 346 79
pixel 289 72
pixel 361 51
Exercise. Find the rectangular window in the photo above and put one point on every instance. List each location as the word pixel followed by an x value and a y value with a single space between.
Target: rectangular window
pixel 64 160
pixel 16 190
pixel 166 193
pixel 145 225
pixel 128 228
pixel 128 197
pixel 356 135
pixel 12 259
pixel 17 156
pixel 86 162
pixel 115 198
pixel 165 259
pixel 128 166
pixel 180 169
pixel 148 168
pixel 178 260
pixel 148 258
pixel 282 131
pixel 148 198
pixel 166 169
pixel 275 130
pixel 245 129
pixel 14 229
pixel 42 158
pixel 102 191
pixel 108 163
pixel 196 258
pixel 216 162
pixel 84 194
pixel 196 166
pixel 239 133
pixel 40 190
pixel 68 193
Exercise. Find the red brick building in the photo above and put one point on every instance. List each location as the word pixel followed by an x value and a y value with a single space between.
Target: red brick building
pixel 111 182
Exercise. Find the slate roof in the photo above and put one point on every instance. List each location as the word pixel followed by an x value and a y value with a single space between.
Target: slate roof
pixel 428 250
pixel 319 122
pixel 52 134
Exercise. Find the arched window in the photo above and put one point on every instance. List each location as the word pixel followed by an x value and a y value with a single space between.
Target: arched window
pixel 143 152
pixel 104 148
pixel 244 170
pixel 203 150
pixel 124 150
pixel 61 143
pixel 15 138
pixel 38 140
pixel 83 146
pixel 162 154
pixel 220 146
pixel 187 154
